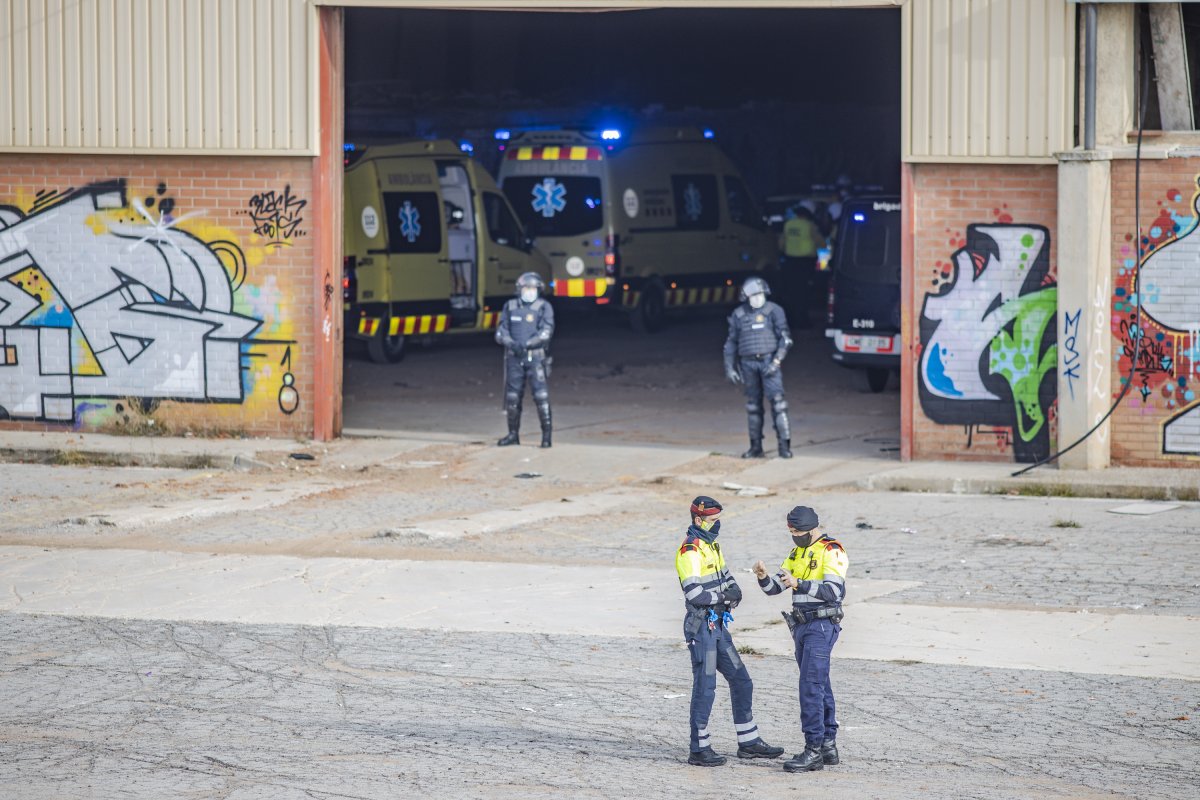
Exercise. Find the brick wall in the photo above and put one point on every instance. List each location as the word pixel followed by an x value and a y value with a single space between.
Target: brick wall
pixel 1158 421
pixel 984 307
pixel 143 294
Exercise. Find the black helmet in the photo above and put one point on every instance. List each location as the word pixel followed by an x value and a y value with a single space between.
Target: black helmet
pixel 531 280
pixel 754 286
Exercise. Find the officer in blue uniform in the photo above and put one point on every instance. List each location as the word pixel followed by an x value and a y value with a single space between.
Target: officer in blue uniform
pixel 525 329
pixel 710 593
pixel 758 341
pixel 815 572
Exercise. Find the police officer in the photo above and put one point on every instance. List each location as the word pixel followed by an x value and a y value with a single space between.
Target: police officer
pixel 757 343
pixel 526 326
pixel 815 571
pixel 710 593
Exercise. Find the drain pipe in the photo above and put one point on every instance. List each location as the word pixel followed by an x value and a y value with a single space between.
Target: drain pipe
pixel 1089 79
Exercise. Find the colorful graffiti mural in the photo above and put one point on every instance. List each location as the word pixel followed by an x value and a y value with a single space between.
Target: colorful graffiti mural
pixel 989 337
pixel 1168 359
pixel 107 293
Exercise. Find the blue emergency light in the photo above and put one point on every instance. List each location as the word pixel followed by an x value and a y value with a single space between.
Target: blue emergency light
pixel 610 134
pixel 466 147
pixel 860 217
pixel 503 134
pixel 708 133
pixel 348 147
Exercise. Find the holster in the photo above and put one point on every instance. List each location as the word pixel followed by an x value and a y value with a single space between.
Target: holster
pixel 790 620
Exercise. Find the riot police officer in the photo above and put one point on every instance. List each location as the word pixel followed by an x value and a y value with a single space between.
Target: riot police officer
pixel 709 593
pixel 815 572
pixel 526 326
pixel 758 341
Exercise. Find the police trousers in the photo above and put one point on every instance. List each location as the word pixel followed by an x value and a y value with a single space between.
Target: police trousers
pixel 757 385
pixel 818 713
pixel 712 652
pixel 521 371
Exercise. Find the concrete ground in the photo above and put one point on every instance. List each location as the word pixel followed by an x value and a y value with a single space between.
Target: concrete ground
pixel 421 614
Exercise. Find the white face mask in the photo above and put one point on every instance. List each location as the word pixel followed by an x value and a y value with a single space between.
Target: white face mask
pixel 528 295
pixel 757 300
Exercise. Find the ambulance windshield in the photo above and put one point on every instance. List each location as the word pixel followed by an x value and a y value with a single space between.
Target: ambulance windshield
pixel 556 205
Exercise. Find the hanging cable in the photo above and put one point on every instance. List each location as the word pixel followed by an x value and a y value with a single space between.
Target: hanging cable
pixel 1137 271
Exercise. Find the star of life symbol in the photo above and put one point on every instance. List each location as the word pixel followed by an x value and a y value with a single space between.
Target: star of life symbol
pixel 410 222
pixel 691 202
pixel 549 197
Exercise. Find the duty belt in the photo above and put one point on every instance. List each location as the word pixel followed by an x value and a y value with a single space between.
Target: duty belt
pixel 825 612
pixel 759 357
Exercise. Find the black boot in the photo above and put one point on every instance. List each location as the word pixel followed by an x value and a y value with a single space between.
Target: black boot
pixel 783 426
pixel 755 423
pixel 544 418
pixel 706 758
pixel 808 761
pixel 759 749
pixel 829 753
pixel 514 425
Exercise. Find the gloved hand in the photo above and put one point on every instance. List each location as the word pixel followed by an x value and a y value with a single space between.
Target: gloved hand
pixel 534 343
pixel 517 349
pixel 772 368
pixel 733 595
pixel 734 376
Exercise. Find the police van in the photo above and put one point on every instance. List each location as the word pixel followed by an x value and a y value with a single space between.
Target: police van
pixel 863 312
pixel 431 246
pixel 660 221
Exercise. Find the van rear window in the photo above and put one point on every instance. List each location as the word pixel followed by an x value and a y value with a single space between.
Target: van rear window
pixel 870 246
pixel 556 205
pixel 414 222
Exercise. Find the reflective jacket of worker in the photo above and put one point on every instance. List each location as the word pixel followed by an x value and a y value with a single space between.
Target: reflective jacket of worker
pixel 709 595
pixel 815 572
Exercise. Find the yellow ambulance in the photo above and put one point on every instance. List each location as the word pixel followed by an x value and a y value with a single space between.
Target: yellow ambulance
pixel 658 221
pixel 431 246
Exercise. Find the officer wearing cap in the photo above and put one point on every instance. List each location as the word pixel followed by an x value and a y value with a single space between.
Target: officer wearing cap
pixel 758 341
pixel 709 594
pixel 526 326
pixel 815 571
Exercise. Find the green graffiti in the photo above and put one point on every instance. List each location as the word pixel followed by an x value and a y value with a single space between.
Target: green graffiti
pixel 1015 355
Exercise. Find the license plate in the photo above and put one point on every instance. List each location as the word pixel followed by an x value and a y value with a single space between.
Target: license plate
pixel 869 344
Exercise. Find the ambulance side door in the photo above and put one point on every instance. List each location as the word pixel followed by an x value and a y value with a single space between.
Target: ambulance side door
pixel 505 248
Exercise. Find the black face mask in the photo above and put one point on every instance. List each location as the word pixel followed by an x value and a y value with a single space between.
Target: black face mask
pixel 803 540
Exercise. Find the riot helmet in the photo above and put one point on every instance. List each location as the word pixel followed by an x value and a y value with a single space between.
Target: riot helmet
pixel 755 291
pixel 529 286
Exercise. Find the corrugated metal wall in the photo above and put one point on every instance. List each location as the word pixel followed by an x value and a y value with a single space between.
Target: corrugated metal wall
pixel 988 80
pixel 152 75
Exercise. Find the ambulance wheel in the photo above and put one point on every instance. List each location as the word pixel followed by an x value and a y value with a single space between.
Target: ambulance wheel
pixel 384 349
pixel 877 378
pixel 651 310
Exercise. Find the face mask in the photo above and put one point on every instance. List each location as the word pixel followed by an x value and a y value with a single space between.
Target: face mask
pixel 528 295
pixel 802 540
pixel 713 525
pixel 758 300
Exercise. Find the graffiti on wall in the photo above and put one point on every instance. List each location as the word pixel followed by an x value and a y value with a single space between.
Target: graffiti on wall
pixel 1167 368
pixel 276 216
pixel 104 295
pixel 988 337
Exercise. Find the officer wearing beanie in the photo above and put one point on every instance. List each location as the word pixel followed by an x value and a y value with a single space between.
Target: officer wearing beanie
pixel 709 594
pixel 815 571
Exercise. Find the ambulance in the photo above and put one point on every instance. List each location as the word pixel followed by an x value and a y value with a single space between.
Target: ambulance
pixel 431 246
pixel 660 221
